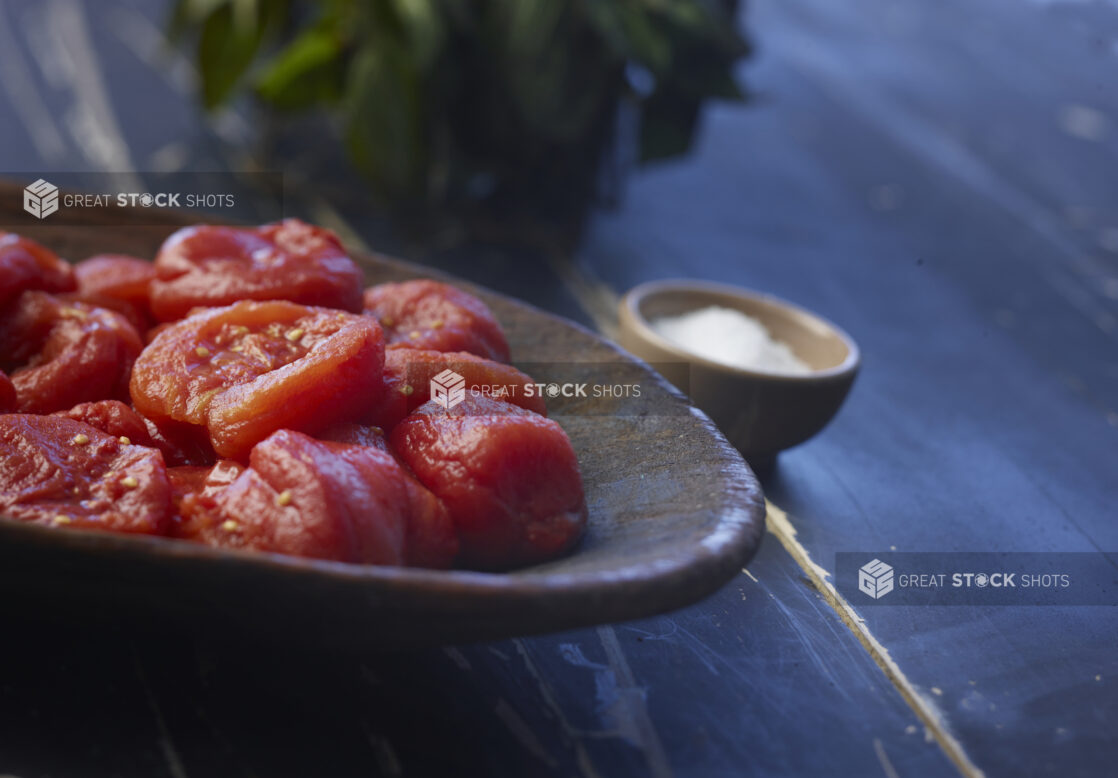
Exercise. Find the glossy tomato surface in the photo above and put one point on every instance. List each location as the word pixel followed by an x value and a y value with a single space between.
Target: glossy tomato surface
pixel 116 275
pixel 299 496
pixel 270 409
pixel 113 418
pixel 63 473
pixel 61 353
pixel 118 282
pixel 305 497
pixel 24 265
pixel 249 369
pixel 432 315
pixel 198 481
pixel 509 478
pixel 289 260
pixel 408 375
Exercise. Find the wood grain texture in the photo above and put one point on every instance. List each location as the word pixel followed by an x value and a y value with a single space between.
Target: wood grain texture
pixel 913 179
pixel 674 513
pixel 907 169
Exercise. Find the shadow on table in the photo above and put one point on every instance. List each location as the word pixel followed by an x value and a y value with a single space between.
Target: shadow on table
pixel 107 698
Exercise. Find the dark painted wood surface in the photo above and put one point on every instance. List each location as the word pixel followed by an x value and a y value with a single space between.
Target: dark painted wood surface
pixel 951 202
pixel 937 179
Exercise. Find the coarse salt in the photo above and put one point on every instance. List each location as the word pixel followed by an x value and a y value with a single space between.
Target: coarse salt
pixel 731 338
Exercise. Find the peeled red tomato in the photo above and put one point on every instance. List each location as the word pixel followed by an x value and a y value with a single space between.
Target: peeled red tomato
pixel 333 501
pixel 407 382
pixel 60 353
pixel 113 418
pixel 508 477
pixel 432 315
pixel 206 266
pixel 24 265
pixel 249 369
pixel 60 472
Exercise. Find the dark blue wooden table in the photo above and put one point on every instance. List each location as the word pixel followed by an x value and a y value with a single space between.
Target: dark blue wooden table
pixel 940 179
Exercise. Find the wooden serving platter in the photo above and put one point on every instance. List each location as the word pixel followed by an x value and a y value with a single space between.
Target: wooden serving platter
pixel 674 513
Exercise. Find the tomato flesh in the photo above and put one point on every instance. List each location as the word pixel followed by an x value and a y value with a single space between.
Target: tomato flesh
pixel 60 472
pixel 8 401
pixel 133 314
pixel 431 540
pixel 266 338
pixel 203 483
pixel 61 353
pixel 24 265
pixel 299 497
pixel 117 276
pixel 509 478
pixel 407 380
pixel 356 435
pixel 250 369
pixel 436 316
pixel 119 283
pixel 113 418
pixel 310 498
pixel 289 260
pixel 181 444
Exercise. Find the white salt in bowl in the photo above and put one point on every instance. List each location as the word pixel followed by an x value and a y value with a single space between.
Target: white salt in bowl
pixel 759 410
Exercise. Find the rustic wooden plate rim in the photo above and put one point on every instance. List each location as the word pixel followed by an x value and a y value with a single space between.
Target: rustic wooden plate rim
pixel 731 525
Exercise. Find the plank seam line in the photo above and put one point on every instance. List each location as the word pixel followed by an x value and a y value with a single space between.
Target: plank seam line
pixel 650 744
pixel 594 296
pixel 599 301
pixel 778 524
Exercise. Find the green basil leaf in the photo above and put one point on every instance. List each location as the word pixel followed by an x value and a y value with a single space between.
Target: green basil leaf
pixel 384 128
pixel 306 71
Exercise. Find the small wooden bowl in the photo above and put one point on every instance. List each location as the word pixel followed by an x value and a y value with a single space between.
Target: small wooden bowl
pixel 760 412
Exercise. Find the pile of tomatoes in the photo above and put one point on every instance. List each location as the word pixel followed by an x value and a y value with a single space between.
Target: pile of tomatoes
pixel 245 391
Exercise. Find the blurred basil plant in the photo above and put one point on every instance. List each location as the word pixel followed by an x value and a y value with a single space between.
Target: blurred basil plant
pixel 445 102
